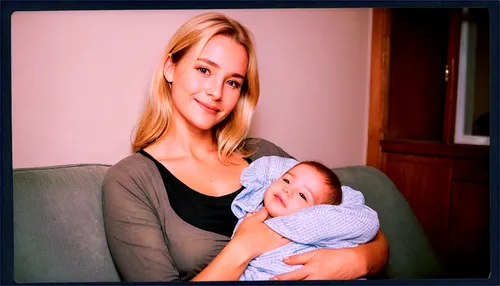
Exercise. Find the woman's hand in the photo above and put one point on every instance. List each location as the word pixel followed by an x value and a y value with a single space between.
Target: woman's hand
pixel 340 264
pixel 325 264
pixel 255 237
pixel 252 238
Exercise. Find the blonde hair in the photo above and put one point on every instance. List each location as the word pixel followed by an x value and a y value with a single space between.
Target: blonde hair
pixel 229 135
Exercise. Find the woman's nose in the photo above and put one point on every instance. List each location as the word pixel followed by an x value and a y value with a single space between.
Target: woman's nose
pixel 215 90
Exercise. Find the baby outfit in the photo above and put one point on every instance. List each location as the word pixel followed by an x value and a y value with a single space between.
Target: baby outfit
pixel 322 226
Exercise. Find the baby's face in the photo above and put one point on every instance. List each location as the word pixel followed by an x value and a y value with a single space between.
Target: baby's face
pixel 301 187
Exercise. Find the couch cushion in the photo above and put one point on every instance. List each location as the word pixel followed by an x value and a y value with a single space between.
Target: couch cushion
pixel 58 225
pixel 411 255
pixel 59 234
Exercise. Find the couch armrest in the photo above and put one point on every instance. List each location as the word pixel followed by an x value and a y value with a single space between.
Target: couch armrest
pixel 411 255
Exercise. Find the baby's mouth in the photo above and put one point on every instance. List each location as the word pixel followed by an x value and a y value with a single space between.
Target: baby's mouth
pixel 280 200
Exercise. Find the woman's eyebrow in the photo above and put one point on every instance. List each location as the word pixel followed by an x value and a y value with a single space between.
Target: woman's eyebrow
pixel 209 62
pixel 215 65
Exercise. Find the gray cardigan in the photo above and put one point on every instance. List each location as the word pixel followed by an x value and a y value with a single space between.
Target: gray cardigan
pixel 155 244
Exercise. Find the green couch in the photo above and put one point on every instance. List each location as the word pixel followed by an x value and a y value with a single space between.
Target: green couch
pixel 59 233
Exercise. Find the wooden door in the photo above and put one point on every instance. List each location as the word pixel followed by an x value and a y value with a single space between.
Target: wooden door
pixel 414 75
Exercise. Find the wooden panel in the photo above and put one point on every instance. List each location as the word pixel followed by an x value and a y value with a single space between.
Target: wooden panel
pixel 468 251
pixel 435 149
pixel 379 83
pixel 425 182
pixel 451 85
pixel 419 42
pixel 471 170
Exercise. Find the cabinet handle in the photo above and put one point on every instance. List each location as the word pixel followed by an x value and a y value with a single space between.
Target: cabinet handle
pixel 446 73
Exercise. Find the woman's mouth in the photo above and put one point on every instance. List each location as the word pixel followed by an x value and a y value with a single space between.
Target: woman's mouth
pixel 208 108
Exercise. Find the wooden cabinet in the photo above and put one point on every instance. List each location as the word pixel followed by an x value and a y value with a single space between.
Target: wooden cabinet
pixel 425 182
pixel 418 47
pixel 468 240
pixel 413 97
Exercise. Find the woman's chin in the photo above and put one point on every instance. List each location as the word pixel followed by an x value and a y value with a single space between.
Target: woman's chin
pixel 204 125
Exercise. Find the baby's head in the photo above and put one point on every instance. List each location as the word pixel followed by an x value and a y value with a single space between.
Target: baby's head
pixel 307 184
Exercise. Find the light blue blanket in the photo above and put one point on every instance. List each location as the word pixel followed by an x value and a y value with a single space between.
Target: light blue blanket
pixel 323 226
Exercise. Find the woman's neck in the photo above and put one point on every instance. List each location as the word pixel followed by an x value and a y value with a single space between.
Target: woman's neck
pixel 184 140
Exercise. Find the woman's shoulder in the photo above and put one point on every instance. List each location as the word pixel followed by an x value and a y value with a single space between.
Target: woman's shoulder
pixel 131 167
pixel 265 147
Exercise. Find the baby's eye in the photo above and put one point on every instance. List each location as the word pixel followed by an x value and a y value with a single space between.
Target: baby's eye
pixel 286 181
pixel 233 84
pixel 303 196
pixel 204 70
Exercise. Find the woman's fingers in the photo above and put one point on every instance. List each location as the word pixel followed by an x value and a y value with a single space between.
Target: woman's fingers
pixel 261 214
pixel 299 258
pixel 299 274
pixel 250 214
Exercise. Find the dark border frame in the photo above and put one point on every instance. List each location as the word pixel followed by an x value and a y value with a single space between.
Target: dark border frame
pixel 9 6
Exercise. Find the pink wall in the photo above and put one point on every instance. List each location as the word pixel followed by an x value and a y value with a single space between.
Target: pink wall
pixel 79 80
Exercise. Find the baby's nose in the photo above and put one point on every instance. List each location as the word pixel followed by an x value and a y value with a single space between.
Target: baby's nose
pixel 287 191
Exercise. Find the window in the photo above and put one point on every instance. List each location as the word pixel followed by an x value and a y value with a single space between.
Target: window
pixel 472 122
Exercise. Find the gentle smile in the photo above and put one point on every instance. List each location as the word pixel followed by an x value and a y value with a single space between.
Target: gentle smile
pixel 280 200
pixel 208 108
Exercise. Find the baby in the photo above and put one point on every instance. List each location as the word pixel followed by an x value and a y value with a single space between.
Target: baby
pixel 305 185
pixel 306 204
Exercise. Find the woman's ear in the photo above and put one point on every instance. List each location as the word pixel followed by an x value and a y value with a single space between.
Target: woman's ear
pixel 168 70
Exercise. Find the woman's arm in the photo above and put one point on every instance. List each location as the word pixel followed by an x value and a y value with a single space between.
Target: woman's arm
pixel 348 263
pixel 340 264
pixel 376 253
pixel 251 239
pixel 137 245
pixel 133 230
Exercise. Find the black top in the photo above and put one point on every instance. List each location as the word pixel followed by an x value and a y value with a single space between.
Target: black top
pixel 148 240
pixel 206 212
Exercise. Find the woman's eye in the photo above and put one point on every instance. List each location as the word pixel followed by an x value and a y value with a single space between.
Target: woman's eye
pixel 233 84
pixel 286 181
pixel 204 70
pixel 303 196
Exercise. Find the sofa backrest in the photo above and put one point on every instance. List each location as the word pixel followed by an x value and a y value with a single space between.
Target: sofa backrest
pixel 58 226
pixel 59 234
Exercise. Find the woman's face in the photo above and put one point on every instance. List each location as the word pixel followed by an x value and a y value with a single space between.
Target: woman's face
pixel 206 93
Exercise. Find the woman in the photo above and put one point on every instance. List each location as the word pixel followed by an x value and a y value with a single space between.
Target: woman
pixel 167 207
